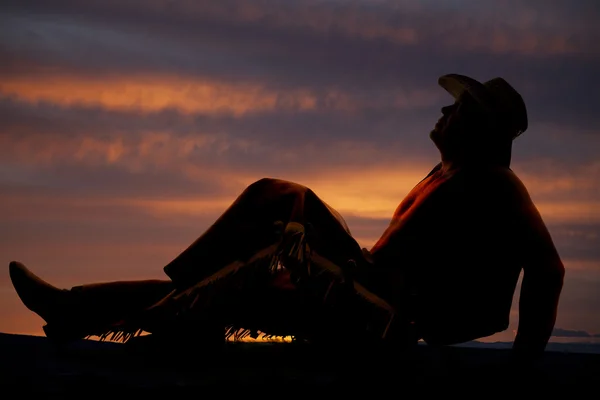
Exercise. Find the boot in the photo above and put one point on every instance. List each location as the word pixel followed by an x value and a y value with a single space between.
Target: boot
pixel 53 305
pixel 87 310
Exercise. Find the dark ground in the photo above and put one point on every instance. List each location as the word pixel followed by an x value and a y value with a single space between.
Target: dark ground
pixel 32 365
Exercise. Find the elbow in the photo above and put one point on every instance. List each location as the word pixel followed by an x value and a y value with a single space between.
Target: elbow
pixel 556 275
pixel 560 273
pixel 556 278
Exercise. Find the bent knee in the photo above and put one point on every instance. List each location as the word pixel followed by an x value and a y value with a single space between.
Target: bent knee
pixel 262 182
pixel 271 184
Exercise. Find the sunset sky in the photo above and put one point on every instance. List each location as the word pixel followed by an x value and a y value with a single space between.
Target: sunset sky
pixel 127 127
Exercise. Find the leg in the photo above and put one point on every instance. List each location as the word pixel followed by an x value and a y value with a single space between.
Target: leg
pixel 244 229
pixel 247 226
pixel 223 256
pixel 87 309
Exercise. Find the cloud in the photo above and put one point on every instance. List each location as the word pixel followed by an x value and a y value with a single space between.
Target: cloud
pixel 529 27
pixel 156 93
pixel 392 132
pixel 294 43
pixel 303 134
pixel 580 299
pixel 578 241
pixel 236 57
pixel 559 332
pixel 111 152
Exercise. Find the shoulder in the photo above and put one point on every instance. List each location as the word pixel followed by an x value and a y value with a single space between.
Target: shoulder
pixel 496 187
pixel 509 187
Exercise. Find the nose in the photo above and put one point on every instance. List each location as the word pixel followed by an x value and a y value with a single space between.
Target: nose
pixel 446 110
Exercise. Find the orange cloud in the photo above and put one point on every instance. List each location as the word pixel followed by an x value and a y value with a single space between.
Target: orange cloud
pixel 366 193
pixel 581 265
pixel 160 208
pixel 155 93
pixel 371 191
pixel 576 188
pixel 572 211
pixel 556 179
pixel 135 153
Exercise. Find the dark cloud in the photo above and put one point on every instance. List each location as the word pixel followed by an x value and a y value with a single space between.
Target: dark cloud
pixel 543 149
pixel 580 294
pixel 559 332
pixel 577 241
pixel 115 181
pixel 61 221
pixel 308 136
pixel 431 20
pixel 328 45
pixel 218 41
pixel 291 138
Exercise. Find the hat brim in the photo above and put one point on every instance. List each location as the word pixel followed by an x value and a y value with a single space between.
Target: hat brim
pixel 456 85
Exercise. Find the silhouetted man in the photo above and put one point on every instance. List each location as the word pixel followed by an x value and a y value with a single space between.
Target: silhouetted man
pixel 281 261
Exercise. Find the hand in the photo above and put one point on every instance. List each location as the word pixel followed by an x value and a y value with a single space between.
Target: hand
pixel 367 256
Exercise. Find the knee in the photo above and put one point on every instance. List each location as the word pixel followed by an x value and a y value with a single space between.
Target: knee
pixel 262 182
pixel 260 185
pixel 271 189
pixel 268 184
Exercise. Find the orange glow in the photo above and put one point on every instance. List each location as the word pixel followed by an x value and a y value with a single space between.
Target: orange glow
pixel 194 95
pixel 557 180
pixel 365 193
pixel 167 208
pixel 570 211
pixel 155 93
pixel 581 265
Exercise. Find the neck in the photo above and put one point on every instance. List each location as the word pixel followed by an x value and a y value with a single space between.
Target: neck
pixel 450 165
pixel 498 155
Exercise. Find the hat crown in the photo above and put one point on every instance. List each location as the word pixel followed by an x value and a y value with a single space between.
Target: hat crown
pixel 508 103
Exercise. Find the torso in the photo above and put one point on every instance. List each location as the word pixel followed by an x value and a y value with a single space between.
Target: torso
pixel 415 208
pixel 446 241
pixel 421 192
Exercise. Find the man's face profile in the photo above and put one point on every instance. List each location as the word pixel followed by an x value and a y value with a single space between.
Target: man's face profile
pixel 447 126
pixel 455 123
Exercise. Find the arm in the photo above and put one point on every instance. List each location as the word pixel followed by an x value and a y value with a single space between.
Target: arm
pixel 543 274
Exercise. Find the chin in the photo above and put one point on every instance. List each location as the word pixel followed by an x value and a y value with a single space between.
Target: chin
pixel 434 136
pixel 437 141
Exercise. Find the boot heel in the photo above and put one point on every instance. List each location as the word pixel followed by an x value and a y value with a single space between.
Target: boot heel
pixel 61 334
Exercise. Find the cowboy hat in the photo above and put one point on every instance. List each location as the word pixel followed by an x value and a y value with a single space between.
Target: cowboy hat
pixel 496 96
